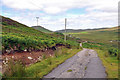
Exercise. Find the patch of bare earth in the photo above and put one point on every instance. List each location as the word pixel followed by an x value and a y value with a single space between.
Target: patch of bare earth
pixel 27 58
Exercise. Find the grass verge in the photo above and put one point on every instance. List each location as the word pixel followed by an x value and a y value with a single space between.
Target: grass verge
pixel 110 64
pixel 45 66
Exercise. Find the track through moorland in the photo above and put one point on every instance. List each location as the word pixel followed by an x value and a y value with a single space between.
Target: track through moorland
pixel 85 64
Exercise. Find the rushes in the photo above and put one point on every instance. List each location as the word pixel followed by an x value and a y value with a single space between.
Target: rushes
pixel 15 69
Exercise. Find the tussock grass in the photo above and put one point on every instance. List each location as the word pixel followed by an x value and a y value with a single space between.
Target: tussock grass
pixel 14 69
pixel 110 64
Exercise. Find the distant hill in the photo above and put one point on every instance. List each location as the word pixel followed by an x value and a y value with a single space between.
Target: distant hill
pixel 42 29
pixel 77 30
pixel 69 30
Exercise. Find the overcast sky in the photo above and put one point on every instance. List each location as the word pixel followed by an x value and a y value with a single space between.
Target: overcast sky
pixel 80 14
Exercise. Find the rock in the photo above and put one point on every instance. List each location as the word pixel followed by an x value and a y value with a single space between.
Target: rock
pixel 111 41
pixel 12 56
pixel 36 61
pixel 39 59
pixel 6 59
pixel 30 58
pixel 25 50
pixel 4 62
pixel 8 51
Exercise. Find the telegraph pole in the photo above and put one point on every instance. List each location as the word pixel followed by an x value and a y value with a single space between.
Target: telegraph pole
pixel 65 29
pixel 37 20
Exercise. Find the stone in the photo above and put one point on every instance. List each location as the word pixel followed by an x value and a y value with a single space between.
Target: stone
pixel 30 58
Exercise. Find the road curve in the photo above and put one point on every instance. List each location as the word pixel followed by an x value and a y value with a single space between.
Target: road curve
pixel 85 64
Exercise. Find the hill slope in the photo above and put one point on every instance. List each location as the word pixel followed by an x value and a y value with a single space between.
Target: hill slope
pixel 108 35
pixel 42 29
pixel 19 37
pixel 77 30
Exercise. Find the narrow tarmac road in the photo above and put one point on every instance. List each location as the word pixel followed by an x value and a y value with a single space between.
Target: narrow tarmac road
pixel 85 64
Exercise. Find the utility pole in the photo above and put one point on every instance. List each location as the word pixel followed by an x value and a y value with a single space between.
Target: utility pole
pixel 37 20
pixel 65 29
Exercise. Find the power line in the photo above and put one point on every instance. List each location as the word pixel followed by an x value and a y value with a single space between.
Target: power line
pixel 34 4
pixel 38 17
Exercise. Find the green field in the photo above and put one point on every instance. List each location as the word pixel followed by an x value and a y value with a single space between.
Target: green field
pixel 84 32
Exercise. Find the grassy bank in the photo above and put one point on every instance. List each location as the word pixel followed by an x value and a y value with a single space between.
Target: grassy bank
pixel 110 64
pixel 108 55
pixel 46 65
pixel 41 68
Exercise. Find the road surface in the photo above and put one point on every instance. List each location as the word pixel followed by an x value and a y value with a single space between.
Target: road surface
pixel 85 64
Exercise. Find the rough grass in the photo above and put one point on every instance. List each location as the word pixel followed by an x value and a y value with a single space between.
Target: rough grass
pixel 102 35
pixel 45 66
pixel 110 63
